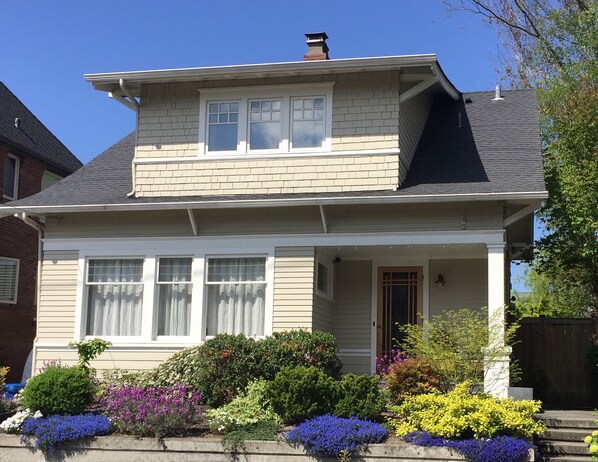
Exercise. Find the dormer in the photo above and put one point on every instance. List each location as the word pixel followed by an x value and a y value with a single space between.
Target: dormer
pixel 314 126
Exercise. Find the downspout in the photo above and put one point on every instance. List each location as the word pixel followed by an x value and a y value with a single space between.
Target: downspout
pixel 40 235
pixel 132 103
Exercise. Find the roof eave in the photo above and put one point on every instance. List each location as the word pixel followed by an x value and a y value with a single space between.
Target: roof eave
pixel 286 202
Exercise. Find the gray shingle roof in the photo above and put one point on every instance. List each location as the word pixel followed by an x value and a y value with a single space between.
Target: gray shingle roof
pixel 32 136
pixel 496 150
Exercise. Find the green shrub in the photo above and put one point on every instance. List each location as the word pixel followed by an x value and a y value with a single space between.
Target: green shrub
pixel 59 390
pixel 453 344
pixel 225 364
pixel 410 377
pixel 264 430
pixel 459 414
pixel 299 348
pixel 251 406
pixel 300 393
pixel 359 396
pixel 3 374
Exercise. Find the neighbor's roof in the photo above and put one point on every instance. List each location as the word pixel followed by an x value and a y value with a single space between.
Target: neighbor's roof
pixel 493 155
pixel 32 136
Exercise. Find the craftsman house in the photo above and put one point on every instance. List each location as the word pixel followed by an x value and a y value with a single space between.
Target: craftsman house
pixel 31 159
pixel 344 195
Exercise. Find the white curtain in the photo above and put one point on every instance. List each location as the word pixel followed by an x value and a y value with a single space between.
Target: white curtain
pixel 115 295
pixel 174 296
pixel 236 303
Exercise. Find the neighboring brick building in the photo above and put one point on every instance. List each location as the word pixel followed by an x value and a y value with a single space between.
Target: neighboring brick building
pixel 31 159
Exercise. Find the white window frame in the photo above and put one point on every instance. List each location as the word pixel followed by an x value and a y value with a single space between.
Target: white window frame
pixel 329 266
pixel 243 95
pixel 15 189
pixel 157 283
pixel 16 284
pixel 266 281
pixel 150 250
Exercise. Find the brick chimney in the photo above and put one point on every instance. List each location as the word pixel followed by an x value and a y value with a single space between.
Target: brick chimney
pixel 317 50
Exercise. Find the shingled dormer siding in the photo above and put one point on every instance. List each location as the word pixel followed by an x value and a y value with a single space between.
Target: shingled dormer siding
pixel 364 122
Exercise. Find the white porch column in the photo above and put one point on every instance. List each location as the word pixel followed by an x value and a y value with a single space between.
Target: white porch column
pixel 496 374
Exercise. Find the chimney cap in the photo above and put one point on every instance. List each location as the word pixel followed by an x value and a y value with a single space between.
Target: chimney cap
pixel 316 37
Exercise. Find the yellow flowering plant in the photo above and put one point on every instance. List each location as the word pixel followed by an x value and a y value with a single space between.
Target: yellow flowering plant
pixel 592 442
pixel 460 414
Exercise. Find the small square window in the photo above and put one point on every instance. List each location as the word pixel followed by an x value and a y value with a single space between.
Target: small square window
pixel 9 276
pixel 324 279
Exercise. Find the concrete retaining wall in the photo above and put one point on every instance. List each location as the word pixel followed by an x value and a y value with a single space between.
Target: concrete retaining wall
pixel 121 448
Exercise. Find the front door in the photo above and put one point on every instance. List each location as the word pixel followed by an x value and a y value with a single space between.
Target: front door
pixel 399 302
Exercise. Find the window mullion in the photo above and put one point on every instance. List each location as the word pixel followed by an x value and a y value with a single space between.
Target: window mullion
pixel 242 127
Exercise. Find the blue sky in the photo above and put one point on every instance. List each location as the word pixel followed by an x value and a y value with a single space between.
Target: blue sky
pixel 47 46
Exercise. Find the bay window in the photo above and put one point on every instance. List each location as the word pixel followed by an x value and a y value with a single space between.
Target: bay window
pixel 236 295
pixel 266 121
pixel 114 297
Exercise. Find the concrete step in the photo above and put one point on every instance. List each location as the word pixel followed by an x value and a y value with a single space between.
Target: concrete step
pixel 565 434
pixel 563 447
pixel 569 419
pixel 587 458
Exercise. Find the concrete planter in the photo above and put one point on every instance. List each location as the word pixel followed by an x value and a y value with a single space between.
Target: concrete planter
pixel 117 448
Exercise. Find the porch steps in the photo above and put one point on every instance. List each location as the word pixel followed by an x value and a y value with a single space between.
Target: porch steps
pixel 563 439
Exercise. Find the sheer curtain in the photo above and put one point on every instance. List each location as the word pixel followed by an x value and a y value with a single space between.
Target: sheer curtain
pixel 236 296
pixel 114 299
pixel 174 296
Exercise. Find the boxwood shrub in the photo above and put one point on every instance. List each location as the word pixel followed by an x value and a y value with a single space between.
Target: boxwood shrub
pixel 59 390
pixel 359 396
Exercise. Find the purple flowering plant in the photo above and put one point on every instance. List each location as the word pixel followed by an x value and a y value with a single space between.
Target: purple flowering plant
pixel 384 363
pixel 496 449
pixel 155 411
pixel 51 431
pixel 328 435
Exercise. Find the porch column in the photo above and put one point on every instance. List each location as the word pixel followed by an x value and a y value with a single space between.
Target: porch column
pixel 496 374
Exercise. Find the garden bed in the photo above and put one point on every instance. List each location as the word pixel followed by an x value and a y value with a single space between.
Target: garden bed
pixel 113 448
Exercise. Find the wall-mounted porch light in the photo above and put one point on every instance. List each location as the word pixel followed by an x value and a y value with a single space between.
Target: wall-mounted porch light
pixel 440 282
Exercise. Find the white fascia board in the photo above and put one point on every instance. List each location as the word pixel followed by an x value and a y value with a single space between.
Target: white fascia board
pixel 288 202
pixel 110 81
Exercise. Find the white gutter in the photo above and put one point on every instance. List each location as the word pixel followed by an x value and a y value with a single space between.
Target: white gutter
pixel 288 202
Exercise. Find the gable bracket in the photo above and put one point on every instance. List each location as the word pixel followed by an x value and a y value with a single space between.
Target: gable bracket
pixel 519 215
pixel 323 216
pixel 192 221
pixel 417 89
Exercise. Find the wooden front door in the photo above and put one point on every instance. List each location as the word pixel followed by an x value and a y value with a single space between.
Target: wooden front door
pixel 400 292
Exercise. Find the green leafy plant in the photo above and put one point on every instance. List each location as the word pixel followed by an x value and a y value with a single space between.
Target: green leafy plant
pixel 250 407
pixel 264 430
pixel 460 414
pixel 454 345
pixel 359 396
pixel 89 350
pixel 59 391
pixel 410 377
pixel 3 374
pixel 300 393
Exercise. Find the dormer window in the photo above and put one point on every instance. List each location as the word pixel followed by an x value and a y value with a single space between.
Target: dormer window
pixel 266 120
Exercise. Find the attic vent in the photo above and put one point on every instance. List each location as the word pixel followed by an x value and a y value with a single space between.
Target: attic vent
pixel 468 100
pixel 317 50
pixel 17 122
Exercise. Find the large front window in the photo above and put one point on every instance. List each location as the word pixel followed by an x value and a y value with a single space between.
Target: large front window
pixel 174 296
pixel 236 294
pixel 114 297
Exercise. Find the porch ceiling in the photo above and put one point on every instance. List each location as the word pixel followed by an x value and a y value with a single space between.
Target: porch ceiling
pixel 408 251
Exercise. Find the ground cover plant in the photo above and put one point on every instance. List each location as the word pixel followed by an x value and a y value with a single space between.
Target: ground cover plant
pixel 497 449
pixel 460 414
pixel 14 423
pixel 158 412
pixel 335 436
pixel 250 407
pixel 53 430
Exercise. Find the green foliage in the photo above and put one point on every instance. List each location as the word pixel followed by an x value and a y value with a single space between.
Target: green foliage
pixel 3 374
pixel 225 364
pixel 409 378
pixel 89 350
pixel 299 348
pixel 459 414
pixel 300 393
pixel 264 430
pixel 359 396
pixel 59 390
pixel 453 344
pixel 250 407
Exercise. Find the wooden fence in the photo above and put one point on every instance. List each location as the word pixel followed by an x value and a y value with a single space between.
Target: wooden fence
pixel 552 354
